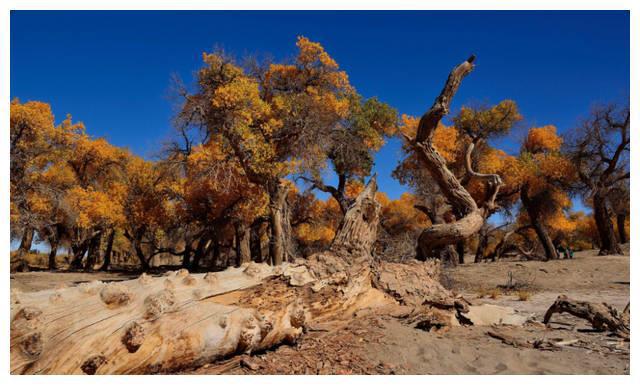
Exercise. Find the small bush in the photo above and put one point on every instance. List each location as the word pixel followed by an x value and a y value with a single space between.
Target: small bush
pixel 490 293
pixel 523 295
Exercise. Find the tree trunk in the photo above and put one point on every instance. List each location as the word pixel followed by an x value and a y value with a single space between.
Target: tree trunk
pixel 256 243
pixel 483 240
pixel 26 242
pixel 440 236
pixel 94 252
pixel 608 242
pixel 550 251
pixel 243 249
pixel 186 257
pixel 460 248
pixel 144 263
pixel 622 232
pixel 107 253
pixel 280 235
pixel 78 251
pixel 53 251
pixel 170 323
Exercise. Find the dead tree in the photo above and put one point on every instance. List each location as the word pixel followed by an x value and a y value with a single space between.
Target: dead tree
pixel 442 235
pixel 180 320
pixel 601 316
pixel 600 152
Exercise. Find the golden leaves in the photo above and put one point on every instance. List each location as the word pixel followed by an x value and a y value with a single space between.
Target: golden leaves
pixel 540 139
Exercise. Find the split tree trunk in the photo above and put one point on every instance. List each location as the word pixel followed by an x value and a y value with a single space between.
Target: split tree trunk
pixel 164 324
pixel 93 254
pixel 608 242
pixel 441 236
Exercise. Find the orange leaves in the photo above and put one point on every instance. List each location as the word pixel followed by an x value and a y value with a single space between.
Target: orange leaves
pixel 91 208
pixel 488 122
pixel 541 139
pixel 310 53
pixel 445 138
pixel 399 215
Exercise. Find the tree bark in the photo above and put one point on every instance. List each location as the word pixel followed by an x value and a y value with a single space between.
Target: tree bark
pixel 243 249
pixel 550 251
pixel 460 248
pixel 280 234
pixel 439 236
pixel 608 242
pixel 53 251
pixel 26 242
pixel 483 241
pixel 93 254
pixel 107 253
pixel 622 232
pixel 256 242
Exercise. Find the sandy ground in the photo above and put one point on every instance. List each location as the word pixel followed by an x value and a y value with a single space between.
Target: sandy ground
pixel 371 343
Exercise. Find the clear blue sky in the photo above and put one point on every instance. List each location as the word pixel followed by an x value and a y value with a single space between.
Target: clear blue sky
pixel 112 70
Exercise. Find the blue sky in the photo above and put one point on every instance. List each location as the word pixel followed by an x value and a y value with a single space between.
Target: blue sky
pixel 112 70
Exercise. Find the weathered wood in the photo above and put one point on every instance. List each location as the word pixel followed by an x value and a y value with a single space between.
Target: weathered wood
pixel 442 235
pixel 182 320
pixel 602 316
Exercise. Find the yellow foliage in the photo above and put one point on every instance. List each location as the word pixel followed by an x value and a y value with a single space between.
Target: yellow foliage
pixel 541 139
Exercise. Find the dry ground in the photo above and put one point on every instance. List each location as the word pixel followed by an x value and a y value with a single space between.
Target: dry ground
pixel 371 343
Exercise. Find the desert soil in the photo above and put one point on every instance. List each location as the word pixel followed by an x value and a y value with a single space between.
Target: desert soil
pixel 372 342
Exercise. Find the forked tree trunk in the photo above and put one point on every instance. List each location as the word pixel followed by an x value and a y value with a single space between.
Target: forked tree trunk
pixel 608 242
pixel 168 323
pixel 93 254
pixel 440 236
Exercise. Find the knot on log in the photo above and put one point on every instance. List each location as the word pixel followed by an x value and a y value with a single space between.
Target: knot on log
pixel 189 280
pixel 144 279
pixel 28 313
pixel 298 317
pixel 91 365
pixel 253 270
pixel 168 284
pixel 182 273
pixel 55 298
pixel 159 303
pixel 116 294
pixel 133 337
pixel 211 278
pixel 32 345
pixel 91 288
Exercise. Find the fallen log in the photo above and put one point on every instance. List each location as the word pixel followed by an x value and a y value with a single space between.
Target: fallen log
pixel 603 317
pixel 182 320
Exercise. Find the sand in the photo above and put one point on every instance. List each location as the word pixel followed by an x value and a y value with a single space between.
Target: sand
pixel 374 343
